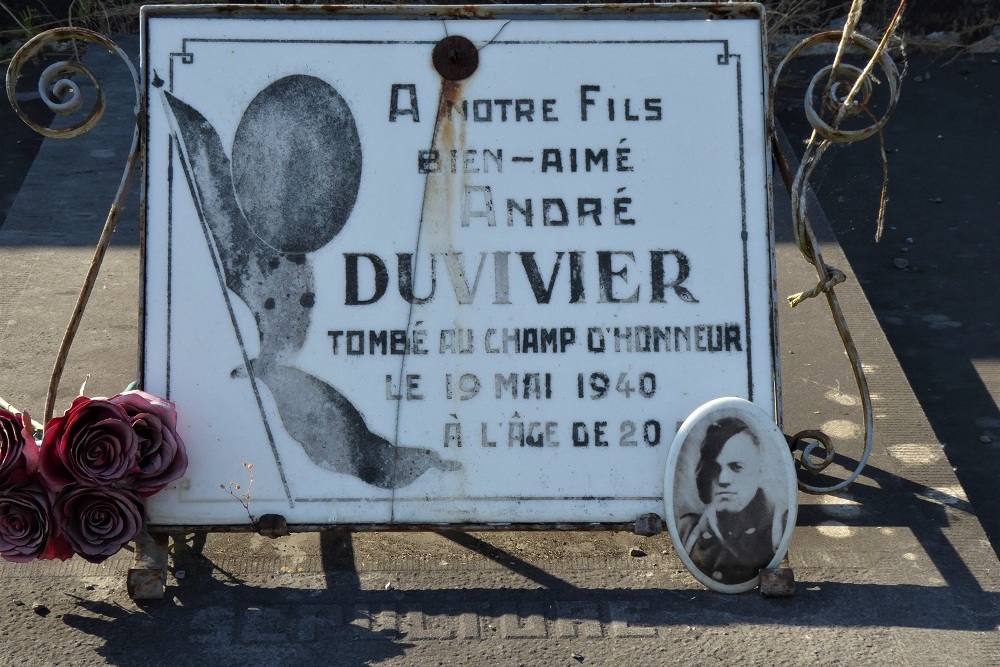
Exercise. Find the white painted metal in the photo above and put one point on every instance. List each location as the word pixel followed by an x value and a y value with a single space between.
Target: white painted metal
pixel 683 187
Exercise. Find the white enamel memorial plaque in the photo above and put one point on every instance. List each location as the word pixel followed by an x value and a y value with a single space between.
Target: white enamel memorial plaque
pixel 423 265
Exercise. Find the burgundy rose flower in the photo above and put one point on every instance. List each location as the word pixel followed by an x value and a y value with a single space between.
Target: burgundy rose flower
pixel 26 525
pixel 18 452
pixel 162 457
pixel 97 522
pixel 92 444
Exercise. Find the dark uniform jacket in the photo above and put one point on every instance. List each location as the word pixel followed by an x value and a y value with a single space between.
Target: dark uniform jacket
pixel 738 549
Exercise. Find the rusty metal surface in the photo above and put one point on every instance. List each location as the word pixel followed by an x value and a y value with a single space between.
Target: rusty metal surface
pixel 143 584
pixel 273 526
pixel 147 579
pixel 455 58
pixel 692 11
pixel 59 93
pixel 778 582
pixel 835 80
pixel 810 440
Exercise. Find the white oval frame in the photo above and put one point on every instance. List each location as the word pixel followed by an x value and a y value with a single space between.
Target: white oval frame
pixel 775 452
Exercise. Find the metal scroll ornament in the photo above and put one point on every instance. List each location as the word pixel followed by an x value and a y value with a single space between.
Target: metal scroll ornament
pixel 844 91
pixel 65 97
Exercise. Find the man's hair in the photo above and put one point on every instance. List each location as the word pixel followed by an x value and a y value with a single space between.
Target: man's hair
pixel 717 435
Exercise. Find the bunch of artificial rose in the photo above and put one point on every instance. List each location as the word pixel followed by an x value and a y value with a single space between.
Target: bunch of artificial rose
pixel 81 491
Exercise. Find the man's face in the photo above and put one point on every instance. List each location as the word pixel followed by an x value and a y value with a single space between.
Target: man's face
pixel 739 474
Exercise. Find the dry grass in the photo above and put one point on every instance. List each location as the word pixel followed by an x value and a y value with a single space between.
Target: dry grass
pixel 110 17
pixel 800 17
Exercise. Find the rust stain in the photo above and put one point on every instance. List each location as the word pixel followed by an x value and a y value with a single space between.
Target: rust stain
pixel 143 584
pixel 451 97
pixel 440 206
pixel 442 192
pixel 469 11
pixel 237 9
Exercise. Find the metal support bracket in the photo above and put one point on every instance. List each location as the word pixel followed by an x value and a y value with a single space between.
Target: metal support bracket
pixel 147 580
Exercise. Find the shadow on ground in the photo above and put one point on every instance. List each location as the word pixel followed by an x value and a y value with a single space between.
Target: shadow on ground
pixel 932 280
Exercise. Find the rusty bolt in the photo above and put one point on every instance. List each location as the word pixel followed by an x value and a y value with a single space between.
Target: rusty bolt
pixel 648 525
pixel 273 526
pixel 455 58
pixel 778 582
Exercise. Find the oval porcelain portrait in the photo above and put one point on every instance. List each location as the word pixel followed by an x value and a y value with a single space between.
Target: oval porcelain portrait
pixel 730 494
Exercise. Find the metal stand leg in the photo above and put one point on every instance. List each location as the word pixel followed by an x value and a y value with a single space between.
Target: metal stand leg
pixel 778 582
pixel 147 580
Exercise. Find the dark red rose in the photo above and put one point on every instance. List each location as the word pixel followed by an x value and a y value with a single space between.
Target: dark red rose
pixel 162 458
pixel 27 526
pixel 92 444
pixel 18 451
pixel 97 522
